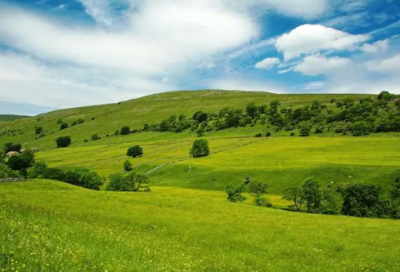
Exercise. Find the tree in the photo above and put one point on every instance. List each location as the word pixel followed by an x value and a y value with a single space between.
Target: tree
pixel 38 130
pixel 130 183
pixel 395 198
pixel 361 200
pixel 64 126
pixel 8 147
pixel 294 194
pixel 95 137
pixel 305 131
pixel 360 129
pixel 38 171
pixel 64 141
pixel 125 130
pixel 257 188
pixel 385 95
pixel 134 151
pixel 274 104
pixel 127 166
pixel 200 149
pixel 21 162
pixel 312 194
pixel 235 193
pixel 252 110
pixel 200 132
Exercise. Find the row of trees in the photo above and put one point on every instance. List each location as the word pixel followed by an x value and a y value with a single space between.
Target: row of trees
pixel 357 118
pixel 361 200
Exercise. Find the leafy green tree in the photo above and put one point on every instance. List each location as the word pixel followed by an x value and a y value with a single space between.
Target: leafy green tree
pixel 135 151
pixel 395 198
pixel 200 132
pixel 312 194
pixel 305 131
pixel 128 183
pixel 22 162
pixel 385 95
pixel 360 129
pixel 361 200
pixel 64 141
pixel 125 130
pixel 294 194
pixel 64 126
pixel 252 110
pixel 38 171
pixel 6 172
pixel 200 149
pixel 235 192
pixel 88 179
pixel 8 147
pixel 257 188
pixel 38 130
pixel 127 166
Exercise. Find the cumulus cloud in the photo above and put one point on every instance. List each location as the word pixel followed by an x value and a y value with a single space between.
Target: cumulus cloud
pixel 309 39
pixel 376 46
pixel 267 63
pixel 388 65
pixel 317 65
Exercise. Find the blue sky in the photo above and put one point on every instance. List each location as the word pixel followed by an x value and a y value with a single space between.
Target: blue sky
pixel 57 54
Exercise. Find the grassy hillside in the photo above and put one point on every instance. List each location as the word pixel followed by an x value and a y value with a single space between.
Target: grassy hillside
pixel 10 117
pixel 52 226
pixel 147 110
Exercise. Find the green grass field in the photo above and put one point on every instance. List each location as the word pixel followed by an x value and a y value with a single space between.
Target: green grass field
pixel 50 226
pixel 186 223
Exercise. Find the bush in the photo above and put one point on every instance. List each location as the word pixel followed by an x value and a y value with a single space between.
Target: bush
pixel 305 131
pixel 127 166
pixel 129 183
pixel 21 162
pixel 268 134
pixel 6 172
pixel 8 147
pixel 200 149
pixel 258 188
pixel 125 130
pixel 38 171
pixel 135 151
pixel 63 141
pixel 235 193
pixel 64 126
pixel 360 129
pixel 38 130
pixel 200 132
pixel 95 137
pixel 361 200
pixel 262 201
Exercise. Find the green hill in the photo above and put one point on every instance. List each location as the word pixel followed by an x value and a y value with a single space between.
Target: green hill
pixel 58 227
pixel 10 117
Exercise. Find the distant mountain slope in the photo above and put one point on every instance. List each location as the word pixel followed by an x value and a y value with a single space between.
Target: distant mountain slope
pixel 106 119
pixel 11 117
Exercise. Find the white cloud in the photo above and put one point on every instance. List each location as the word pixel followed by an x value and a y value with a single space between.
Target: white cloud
pixel 389 65
pixel 267 63
pixel 317 65
pixel 309 39
pixel 376 46
pixel 244 84
pixel 98 10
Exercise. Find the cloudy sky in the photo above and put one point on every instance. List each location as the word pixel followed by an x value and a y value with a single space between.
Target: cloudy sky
pixel 67 53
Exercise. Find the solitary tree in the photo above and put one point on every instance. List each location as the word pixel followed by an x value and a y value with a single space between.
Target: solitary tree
pixel 64 141
pixel 38 130
pixel 64 126
pixel 125 130
pixel 134 151
pixel 200 149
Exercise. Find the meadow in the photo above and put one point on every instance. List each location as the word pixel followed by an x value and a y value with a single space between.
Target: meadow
pixel 186 223
pixel 51 226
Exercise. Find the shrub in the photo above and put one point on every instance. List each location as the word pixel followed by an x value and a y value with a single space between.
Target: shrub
pixel 262 201
pixel 21 162
pixel 360 200
pixel 64 126
pixel 200 149
pixel 125 130
pixel 135 151
pixel 305 131
pixel 95 137
pixel 258 135
pixel 235 193
pixel 268 134
pixel 6 172
pixel 129 183
pixel 38 130
pixel 64 141
pixel 200 132
pixel 127 166
pixel 38 171
pixel 8 147
pixel 360 129
pixel 258 188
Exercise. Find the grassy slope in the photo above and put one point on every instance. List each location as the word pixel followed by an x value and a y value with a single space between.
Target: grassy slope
pixel 151 109
pixel 10 117
pixel 57 227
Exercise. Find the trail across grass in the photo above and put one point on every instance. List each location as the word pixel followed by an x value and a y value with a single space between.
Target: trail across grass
pixel 52 226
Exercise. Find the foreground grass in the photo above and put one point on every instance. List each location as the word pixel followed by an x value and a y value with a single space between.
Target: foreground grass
pixel 50 226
